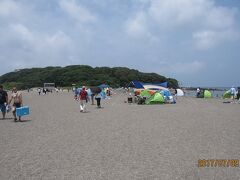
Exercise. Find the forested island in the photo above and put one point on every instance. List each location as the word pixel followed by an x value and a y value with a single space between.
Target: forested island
pixel 80 75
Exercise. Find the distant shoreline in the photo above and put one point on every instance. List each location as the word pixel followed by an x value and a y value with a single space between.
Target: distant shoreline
pixel 209 88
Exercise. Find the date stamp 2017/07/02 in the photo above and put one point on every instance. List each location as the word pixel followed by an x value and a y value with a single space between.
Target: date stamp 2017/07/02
pixel 218 163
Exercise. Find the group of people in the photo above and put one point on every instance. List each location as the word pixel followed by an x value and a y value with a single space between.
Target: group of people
pixel 5 102
pixel 44 91
pixel 84 95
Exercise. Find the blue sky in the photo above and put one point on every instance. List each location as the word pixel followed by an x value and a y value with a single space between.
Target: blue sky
pixel 194 41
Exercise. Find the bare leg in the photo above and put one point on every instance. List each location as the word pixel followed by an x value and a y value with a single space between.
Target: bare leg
pixel 3 114
pixel 92 98
pixel 14 115
pixel 81 106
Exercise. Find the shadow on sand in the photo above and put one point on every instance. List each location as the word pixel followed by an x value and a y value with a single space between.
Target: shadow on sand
pixel 22 121
pixel 1 119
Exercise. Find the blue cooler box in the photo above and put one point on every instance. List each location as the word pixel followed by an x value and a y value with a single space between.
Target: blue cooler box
pixel 22 111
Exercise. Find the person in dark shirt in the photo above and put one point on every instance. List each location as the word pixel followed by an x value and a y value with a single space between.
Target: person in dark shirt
pixel 238 94
pixel 3 101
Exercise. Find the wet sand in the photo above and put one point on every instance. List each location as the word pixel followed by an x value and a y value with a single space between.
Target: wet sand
pixel 119 141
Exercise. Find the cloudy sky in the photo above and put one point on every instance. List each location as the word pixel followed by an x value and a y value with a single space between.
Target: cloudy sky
pixel 194 41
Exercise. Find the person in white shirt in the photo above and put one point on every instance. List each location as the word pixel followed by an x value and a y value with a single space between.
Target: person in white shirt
pixel 198 92
pixel 233 93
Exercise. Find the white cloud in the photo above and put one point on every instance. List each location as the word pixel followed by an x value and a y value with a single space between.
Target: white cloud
pixel 220 18
pixel 137 25
pixel 33 48
pixel 58 39
pixel 188 68
pixel 76 11
pixel 182 68
pixel 37 39
pixel 207 39
pixel 192 15
pixel 174 13
pixel 8 8
pixel 22 32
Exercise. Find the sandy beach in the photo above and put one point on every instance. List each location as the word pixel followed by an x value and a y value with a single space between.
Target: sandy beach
pixel 119 141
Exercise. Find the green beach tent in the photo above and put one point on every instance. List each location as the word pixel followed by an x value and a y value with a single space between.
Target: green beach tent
pixel 156 98
pixel 145 93
pixel 207 94
pixel 227 95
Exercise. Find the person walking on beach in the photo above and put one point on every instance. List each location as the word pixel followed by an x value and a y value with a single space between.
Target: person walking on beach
pixel 238 94
pixel 83 96
pixel 91 95
pixel 16 97
pixel 3 101
pixel 98 99
pixel 198 92
pixel 39 91
pixel 92 98
pixel 233 93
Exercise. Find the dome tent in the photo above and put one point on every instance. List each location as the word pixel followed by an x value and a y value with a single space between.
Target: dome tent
pixel 204 94
pixel 227 95
pixel 157 98
pixel 207 94
pixel 145 93
pixel 180 92
pixel 166 93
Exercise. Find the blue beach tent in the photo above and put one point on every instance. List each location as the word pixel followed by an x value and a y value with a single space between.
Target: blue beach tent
pixel 136 84
pixel 166 93
pixel 164 84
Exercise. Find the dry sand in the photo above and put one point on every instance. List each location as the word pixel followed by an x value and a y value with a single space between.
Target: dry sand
pixel 119 141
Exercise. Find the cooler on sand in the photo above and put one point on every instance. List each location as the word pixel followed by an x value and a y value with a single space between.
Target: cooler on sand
pixel 22 111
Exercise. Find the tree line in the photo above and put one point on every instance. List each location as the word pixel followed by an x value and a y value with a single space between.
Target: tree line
pixel 80 75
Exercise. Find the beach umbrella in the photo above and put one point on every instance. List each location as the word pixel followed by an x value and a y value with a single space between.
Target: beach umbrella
pixel 95 89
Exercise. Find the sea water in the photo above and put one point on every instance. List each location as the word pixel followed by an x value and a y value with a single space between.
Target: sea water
pixel 215 93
